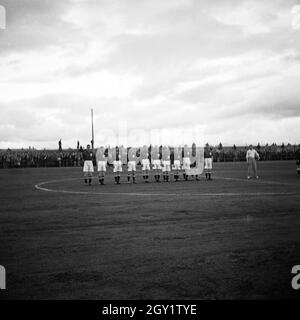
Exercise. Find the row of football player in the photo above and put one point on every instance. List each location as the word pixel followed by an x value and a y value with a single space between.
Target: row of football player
pixel 158 166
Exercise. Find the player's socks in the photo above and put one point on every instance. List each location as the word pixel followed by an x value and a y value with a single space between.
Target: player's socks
pixel 209 176
pixel 128 179
pixel 90 181
pixel 133 179
pixel 206 175
pixel 85 181
pixel 116 179
pixel 197 178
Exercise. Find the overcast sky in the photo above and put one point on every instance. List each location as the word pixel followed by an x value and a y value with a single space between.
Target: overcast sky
pixel 171 71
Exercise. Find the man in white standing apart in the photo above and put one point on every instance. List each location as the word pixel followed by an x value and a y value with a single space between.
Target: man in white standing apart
pixel 251 157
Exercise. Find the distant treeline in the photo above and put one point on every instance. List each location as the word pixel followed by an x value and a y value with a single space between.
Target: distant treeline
pixel 24 158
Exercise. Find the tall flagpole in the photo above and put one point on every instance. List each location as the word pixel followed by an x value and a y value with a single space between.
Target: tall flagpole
pixel 92 117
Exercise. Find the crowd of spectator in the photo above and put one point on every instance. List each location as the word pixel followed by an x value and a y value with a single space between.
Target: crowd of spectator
pixel 39 158
pixel 31 157
pixel 266 152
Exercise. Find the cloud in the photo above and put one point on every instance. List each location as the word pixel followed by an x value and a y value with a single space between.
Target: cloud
pixel 219 68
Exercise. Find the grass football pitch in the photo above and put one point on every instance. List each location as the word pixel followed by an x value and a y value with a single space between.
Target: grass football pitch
pixel 228 238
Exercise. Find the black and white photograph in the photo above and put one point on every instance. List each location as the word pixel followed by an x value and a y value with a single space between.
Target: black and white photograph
pixel 149 150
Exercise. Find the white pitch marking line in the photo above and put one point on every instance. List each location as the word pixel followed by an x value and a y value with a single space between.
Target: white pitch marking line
pixel 255 180
pixel 39 187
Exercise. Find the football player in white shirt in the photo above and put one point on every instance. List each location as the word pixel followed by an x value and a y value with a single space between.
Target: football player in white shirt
pixel 101 164
pixel 156 162
pixel 166 169
pixel 177 162
pixel 146 168
pixel 117 168
pixel 166 161
pixel 186 165
pixel 251 157
pixel 131 168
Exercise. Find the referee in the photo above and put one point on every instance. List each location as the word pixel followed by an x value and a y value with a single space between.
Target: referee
pixel 251 157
